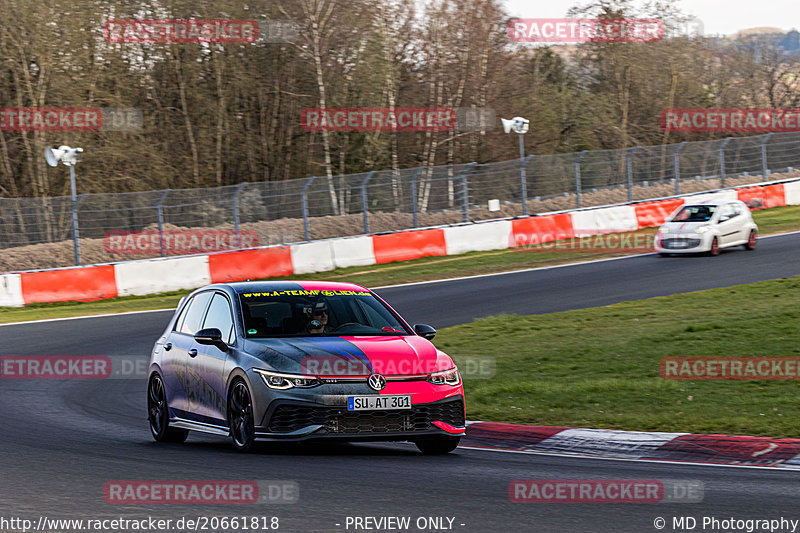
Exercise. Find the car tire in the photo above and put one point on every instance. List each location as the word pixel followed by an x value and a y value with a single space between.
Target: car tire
pixel 714 249
pixel 751 240
pixel 158 413
pixel 240 416
pixel 437 445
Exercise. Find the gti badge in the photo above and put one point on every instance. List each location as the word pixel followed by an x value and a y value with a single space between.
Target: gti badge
pixel 377 382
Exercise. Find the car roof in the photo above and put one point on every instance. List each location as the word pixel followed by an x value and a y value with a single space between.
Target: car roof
pixel 289 285
pixel 717 202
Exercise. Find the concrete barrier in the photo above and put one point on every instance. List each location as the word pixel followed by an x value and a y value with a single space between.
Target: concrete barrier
pixel 312 257
pixel 478 237
pixel 161 275
pixel 619 218
pixel 352 251
pixel 11 291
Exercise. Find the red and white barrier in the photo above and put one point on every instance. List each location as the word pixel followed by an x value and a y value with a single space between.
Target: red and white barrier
pixel 11 291
pixel 792 192
pixel 161 275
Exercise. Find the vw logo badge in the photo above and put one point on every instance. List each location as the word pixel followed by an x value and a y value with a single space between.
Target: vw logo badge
pixel 377 382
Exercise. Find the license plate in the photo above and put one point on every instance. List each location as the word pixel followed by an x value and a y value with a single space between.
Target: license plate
pixel 678 244
pixel 378 403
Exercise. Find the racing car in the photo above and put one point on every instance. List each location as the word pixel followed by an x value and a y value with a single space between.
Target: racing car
pixel 296 360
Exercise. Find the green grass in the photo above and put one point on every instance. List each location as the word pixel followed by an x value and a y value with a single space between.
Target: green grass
pixel 774 220
pixel 599 367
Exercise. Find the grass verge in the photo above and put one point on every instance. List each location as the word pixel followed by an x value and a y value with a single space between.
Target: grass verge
pixel 599 367
pixel 775 220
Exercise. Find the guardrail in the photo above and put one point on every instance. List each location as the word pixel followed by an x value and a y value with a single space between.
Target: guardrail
pixel 298 210
pixel 153 276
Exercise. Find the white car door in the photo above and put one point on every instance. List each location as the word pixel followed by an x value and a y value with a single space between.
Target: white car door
pixel 729 225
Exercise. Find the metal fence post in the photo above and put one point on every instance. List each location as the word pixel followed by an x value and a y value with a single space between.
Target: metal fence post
pixel 676 166
pixel 236 214
pixel 414 196
pixel 76 234
pixel 306 231
pixel 465 191
pixel 76 245
pixel 523 180
pixel 578 189
pixel 364 200
pixel 160 215
pixel 722 161
pixel 764 168
pixel 629 171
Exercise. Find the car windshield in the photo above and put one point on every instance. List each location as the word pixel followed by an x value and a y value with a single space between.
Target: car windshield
pixel 301 313
pixel 695 213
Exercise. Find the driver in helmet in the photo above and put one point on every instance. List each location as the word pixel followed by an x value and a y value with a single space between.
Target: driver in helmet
pixel 317 316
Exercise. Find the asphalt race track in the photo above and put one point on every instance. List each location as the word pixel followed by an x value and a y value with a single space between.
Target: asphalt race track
pixel 61 441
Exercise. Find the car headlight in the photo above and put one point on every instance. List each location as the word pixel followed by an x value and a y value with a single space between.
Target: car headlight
pixel 445 377
pixel 663 229
pixel 275 380
pixel 702 229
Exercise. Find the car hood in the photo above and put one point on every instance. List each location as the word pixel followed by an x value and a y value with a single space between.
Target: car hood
pixel 684 227
pixel 350 356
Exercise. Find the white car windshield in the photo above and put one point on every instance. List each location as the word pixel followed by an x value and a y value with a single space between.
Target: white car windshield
pixel 695 213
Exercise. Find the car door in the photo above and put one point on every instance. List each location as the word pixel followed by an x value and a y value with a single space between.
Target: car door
pixel 177 347
pixel 728 225
pixel 206 371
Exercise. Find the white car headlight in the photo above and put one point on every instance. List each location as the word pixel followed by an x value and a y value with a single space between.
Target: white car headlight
pixel 702 229
pixel 446 377
pixel 663 229
pixel 277 381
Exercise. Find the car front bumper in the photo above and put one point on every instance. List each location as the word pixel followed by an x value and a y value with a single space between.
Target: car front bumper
pixel 683 243
pixel 299 420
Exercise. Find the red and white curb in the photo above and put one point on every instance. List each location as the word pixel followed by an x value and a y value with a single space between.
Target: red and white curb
pixel 739 450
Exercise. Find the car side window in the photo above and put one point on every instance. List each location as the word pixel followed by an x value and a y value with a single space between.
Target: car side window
pixel 219 316
pixel 195 312
pixel 726 212
pixel 182 316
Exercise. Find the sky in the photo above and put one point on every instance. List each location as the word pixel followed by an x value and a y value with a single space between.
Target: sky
pixel 718 16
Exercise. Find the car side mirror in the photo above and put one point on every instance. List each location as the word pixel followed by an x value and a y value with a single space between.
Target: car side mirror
pixel 723 218
pixel 425 331
pixel 211 337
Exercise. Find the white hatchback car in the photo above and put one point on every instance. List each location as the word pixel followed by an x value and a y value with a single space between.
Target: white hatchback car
pixel 707 227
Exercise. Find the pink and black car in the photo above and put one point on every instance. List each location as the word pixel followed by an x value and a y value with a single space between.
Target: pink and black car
pixel 294 360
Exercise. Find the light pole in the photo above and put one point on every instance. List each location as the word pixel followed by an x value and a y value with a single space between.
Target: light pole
pixel 520 126
pixel 68 156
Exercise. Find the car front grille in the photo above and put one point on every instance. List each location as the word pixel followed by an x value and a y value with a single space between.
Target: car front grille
pixel 292 417
pixel 680 243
